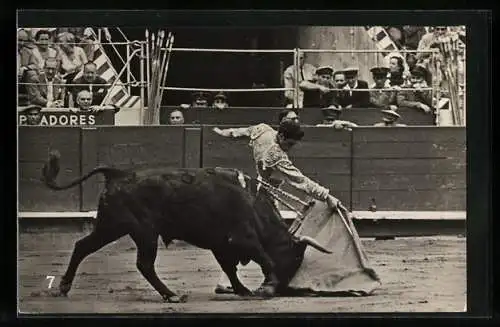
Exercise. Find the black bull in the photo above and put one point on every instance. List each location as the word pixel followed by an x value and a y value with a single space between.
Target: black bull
pixel 209 208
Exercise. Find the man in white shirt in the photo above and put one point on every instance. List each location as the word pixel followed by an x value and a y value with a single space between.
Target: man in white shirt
pixel 306 73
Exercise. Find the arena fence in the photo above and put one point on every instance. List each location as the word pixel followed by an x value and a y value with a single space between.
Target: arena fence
pixel 396 169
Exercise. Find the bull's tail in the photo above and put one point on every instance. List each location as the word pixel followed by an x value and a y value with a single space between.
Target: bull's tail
pixel 51 170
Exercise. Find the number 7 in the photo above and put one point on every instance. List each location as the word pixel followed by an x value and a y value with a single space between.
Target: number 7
pixel 51 280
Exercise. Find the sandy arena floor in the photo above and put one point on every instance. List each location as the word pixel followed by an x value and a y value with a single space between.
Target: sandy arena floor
pixel 419 275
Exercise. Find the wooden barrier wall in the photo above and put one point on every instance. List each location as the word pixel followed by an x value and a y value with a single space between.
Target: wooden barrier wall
pixel 413 168
pixel 308 116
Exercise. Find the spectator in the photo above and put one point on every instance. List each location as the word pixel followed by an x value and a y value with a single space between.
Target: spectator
pixel 25 58
pixel 91 82
pixel 389 119
pixel 72 57
pixel 356 99
pixel 45 89
pixel 84 104
pixel 220 101
pixel 411 60
pixel 306 73
pixel 429 41
pixel 412 36
pixel 419 99
pixel 318 92
pixel 378 97
pixel 32 113
pixel 396 70
pixel 176 117
pixel 42 51
pixel 331 119
pixel 397 36
pixel 83 39
pixel 200 100
pixel 340 97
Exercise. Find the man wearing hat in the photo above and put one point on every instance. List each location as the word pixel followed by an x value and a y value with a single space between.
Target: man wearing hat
pixel 200 100
pixel 318 92
pixel 389 118
pixel 331 119
pixel 419 99
pixel 380 98
pixel 220 101
pixel 356 99
pixel 29 115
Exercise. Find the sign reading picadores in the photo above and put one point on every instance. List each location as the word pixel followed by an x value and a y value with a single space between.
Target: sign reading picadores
pixel 67 118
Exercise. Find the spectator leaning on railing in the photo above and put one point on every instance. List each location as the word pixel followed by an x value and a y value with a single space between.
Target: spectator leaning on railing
pixel 331 119
pixel 91 82
pixel 318 91
pixel 84 104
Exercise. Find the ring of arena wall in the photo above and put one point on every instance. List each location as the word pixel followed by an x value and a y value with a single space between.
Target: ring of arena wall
pixel 400 169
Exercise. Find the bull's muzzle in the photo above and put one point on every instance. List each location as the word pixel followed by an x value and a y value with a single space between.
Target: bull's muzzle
pixel 312 242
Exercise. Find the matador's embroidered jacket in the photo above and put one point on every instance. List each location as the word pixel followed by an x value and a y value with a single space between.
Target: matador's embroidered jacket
pixel 272 163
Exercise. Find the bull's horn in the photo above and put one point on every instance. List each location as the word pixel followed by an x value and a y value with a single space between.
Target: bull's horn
pixel 312 242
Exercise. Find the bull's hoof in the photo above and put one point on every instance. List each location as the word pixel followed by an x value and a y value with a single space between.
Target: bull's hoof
pixel 219 289
pixel 265 291
pixel 244 292
pixel 176 299
pixel 64 289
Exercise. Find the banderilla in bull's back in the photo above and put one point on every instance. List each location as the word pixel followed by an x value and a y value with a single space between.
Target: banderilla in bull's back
pixel 210 208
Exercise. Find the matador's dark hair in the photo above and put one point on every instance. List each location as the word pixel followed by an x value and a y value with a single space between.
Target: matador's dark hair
pixel 285 112
pixel 291 130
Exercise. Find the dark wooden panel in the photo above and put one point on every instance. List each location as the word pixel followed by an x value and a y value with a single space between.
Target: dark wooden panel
pixel 453 165
pixel 428 200
pixel 34 146
pixel 442 182
pixel 128 146
pixel 336 166
pixel 309 116
pixel 408 150
pixel 90 189
pixel 192 147
pixel 410 134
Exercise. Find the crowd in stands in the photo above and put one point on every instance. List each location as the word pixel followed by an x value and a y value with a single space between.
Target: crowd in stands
pixel 54 66
pixel 405 82
pixel 56 69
